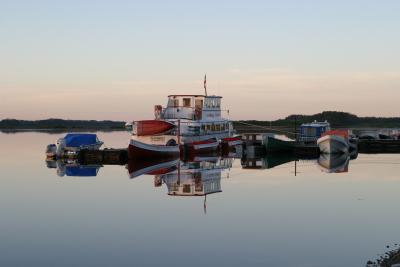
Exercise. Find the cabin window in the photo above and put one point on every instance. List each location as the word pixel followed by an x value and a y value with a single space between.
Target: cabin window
pixel 213 127
pixel 186 188
pixel 218 127
pixel 208 127
pixel 199 103
pixel 198 187
pixel 222 127
pixel 174 187
pixel 186 103
pixel 203 127
pixel 176 103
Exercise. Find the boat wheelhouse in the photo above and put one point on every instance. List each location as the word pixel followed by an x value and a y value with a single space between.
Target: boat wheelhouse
pixel 199 117
pixel 310 132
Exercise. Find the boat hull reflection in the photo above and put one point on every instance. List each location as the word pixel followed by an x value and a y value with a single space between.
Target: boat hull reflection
pixel 152 167
pixel 334 163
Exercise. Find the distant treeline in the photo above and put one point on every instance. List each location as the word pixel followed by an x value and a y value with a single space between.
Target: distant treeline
pixel 337 119
pixel 58 124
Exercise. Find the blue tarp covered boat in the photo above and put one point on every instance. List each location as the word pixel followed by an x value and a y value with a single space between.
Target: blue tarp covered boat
pixel 80 140
pixel 77 140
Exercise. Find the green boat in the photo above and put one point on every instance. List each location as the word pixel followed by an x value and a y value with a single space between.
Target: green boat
pixel 274 145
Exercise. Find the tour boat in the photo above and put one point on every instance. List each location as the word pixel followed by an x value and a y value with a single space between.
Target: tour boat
pixel 191 123
pixel 334 141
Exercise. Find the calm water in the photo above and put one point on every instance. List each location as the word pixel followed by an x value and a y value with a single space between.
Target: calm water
pixel 267 217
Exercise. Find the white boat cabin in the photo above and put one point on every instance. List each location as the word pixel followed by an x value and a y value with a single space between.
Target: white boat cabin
pixel 190 107
pixel 198 115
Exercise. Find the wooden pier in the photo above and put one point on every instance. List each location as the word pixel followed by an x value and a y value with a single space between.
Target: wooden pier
pixel 379 146
pixel 104 156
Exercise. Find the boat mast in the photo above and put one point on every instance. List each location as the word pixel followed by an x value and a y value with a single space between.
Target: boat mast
pixel 205 84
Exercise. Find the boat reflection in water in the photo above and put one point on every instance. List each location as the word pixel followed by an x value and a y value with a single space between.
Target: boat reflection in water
pixel 73 168
pixel 334 163
pixel 195 178
pixel 198 177
pixel 267 162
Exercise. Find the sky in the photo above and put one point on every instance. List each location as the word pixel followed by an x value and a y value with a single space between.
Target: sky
pixel 268 59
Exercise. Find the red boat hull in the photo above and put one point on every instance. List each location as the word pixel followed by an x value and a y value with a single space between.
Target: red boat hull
pixel 151 167
pixel 152 127
pixel 138 150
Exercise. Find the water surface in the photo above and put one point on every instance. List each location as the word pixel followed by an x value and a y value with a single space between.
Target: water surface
pixel 262 217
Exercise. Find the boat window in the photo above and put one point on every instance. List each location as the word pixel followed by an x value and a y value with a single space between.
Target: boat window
pixel 218 103
pixel 203 127
pixel 186 188
pixel 207 103
pixel 213 127
pixel 208 127
pixel 176 103
pixel 218 127
pixel 198 187
pixel 199 103
pixel 174 187
pixel 186 102
pixel 222 127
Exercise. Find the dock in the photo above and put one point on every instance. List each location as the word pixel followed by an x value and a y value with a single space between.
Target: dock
pixel 255 145
pixel 378 146
pixel 104 156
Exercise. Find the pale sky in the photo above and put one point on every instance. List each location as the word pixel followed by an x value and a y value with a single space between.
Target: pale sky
pixel 268 59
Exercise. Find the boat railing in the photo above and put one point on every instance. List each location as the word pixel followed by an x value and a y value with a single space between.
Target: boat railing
pixel 182 112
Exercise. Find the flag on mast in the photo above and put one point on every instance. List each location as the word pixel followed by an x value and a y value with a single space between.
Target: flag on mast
pixel 205 83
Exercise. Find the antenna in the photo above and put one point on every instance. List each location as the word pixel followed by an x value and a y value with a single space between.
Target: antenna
pixel 205 84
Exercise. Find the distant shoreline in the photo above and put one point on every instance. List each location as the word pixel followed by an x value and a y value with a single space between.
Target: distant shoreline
pixel 335 118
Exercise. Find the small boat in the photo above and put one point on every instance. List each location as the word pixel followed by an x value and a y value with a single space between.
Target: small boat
pixel 335 141
pixel 72 143
pixel 151 127
pixel 137 149
pixel 274 145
